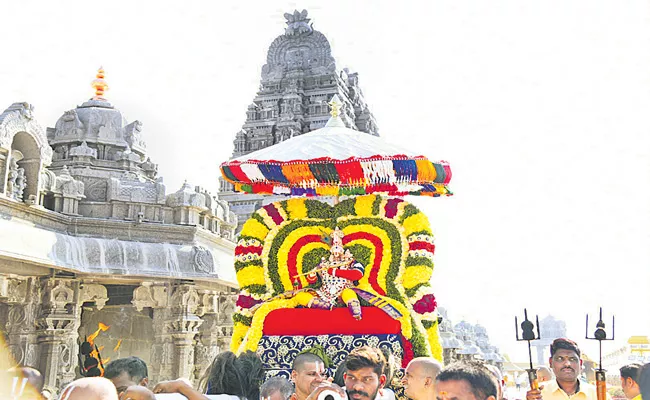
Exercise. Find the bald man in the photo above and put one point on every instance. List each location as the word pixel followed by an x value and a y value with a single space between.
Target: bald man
pixel 137 392
pixel 420 378
pixel 24 381
pixel 544 374
pixel 95 388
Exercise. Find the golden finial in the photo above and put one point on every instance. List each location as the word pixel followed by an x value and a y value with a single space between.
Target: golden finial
pixel 335 105
pixel 99 84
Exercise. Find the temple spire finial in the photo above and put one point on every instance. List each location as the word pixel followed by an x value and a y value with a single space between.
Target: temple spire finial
pixel 335 112
pixel 335 106
pixel 99 84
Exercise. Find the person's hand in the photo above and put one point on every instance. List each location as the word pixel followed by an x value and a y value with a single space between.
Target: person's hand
pixel 169 386
pixel 534 394
pixel 323 386
pixel 137 392
pixel 181 386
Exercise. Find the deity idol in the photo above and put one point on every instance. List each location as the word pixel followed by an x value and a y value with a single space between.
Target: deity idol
pixel 338 275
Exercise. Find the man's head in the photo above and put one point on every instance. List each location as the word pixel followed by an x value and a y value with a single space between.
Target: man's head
pixel 276 388
pixel 420 378
pixel 307 372
pixel 125 372
pixel 95 388
pixel 25 381
pixel 544 374
pixel 498 379
pixel 644 381
pixel 565 360
pixel 466 381
pixel 630 380
pixel 365 373
pixel 137 392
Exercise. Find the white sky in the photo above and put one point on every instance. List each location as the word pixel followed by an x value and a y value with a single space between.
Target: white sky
pixel 541 107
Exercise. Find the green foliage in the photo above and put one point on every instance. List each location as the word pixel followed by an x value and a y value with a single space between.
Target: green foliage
pixel 418 341
pixel 242 318
pixel 428 324
pixel 414 260
pixel 318 209
pixel 375 205
pixel 258 218
pixel 256 289
pixel 411 292
pixel 361 253
pixel 344 208
pixel 312 258
pixel 422 232
pixel 409 210
pixel 245 237
pixel 243 264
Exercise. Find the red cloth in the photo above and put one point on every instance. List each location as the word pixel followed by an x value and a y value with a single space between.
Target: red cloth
pixel 309 321
pixel 349 274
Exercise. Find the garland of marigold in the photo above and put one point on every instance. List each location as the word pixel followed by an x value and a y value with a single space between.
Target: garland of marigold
pixel 405 277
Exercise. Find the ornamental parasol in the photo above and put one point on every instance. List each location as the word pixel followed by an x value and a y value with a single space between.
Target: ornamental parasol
pixel 336 160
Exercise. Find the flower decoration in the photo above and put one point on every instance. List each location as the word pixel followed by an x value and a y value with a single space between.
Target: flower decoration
pixel 282 240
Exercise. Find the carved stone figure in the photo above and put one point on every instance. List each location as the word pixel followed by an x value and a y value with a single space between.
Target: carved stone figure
pixel 68 124
pixel 203 260
pixel 11 178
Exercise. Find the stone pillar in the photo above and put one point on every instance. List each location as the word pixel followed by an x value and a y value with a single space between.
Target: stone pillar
pixel 21 296
pixel 226 310
pixel 183 325
pixel 32 175
pixel 156 296
pixel 57 327
pixel 207 345
pixel 215 333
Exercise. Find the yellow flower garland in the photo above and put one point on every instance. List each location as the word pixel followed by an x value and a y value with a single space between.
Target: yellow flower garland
pixel 434 342
pixel 297 208
pixel 363 206
pixel 257 326
pixel 254 228
pixel 238 332
pixel 247 338
pixel 415 275
pixel 415 223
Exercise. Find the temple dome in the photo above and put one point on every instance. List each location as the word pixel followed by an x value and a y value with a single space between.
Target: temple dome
pixel 98 122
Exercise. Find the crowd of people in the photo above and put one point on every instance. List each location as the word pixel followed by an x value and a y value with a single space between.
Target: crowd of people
pixel 367 373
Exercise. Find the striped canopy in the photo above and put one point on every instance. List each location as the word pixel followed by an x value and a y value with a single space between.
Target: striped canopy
pixel 336 160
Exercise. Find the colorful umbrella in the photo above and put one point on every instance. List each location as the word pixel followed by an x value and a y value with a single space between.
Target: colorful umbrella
pixel 336 160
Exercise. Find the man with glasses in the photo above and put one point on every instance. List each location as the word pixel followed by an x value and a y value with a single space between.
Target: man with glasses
pixel 566 365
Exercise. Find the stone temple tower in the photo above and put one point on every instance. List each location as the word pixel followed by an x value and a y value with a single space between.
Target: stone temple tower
pixel 298 80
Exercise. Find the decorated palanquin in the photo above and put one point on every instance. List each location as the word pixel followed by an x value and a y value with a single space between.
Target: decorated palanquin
pixel 339 276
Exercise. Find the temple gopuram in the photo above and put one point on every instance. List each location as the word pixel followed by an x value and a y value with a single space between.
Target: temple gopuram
pixel 298 80
pixel 92 246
